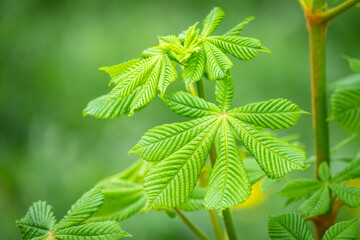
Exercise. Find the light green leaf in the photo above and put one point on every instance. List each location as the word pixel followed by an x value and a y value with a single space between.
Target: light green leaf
pixel 134 77
pixel 191 36
pixel 224 91
pixel 187 105
pixel 165 182
pixel 354 64
pixel 345 103
pixel 275 114
pixel 318 203
pixel 288 226
pixel 240 47
pixel 324 172
pixel 122 200
pixel 345 230
pixel 109 108
pixel 276 157
pixel 149 89
pixel 170 39
pixel 195 201
pixel 168 74
pixel 38 221
pixel 109 230
pixel 135 173
pixel 348 195
pixel 350 171
pixel 217 63
pixel 253 170
pixel 300 188
pixel 161 141
pixel 235 31
pixel 195 68
pixel 83 209
pixel 229 184
pixel 151 52
pixel 267 183
pixel 117 71
pixel 212 21
pixel 173 52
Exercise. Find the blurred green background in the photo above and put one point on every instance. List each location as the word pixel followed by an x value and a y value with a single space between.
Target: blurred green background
pixel 50 54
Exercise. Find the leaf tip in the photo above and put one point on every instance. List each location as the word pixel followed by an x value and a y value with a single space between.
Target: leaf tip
pixel 264 49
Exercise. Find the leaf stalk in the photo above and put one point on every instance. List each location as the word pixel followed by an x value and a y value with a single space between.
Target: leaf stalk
pixel 188 223
pixel 336 11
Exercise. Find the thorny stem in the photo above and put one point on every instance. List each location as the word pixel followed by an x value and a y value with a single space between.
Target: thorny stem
pixel 229 225
pixel 318 18
pixel 193 228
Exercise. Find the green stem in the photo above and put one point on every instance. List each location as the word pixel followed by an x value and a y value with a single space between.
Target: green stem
pixel 201 89
pixel 192 90
pixel 336 11
pixel 216 225
pixel 318 18
pixel 193 228
pixel 317 33
pixel 229 225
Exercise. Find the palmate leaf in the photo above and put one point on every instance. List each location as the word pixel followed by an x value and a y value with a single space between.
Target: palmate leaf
pixel 350 196
pixel 318 203
pixel 212 21
pixel 345 230
pixel 345 103
pixel 163 182
pixel 275 114
pixel 200 55
pixel 300 188
pixel 289 226
pixel 229 184
pixel 181 150
pixel 149 75
pixel 38 221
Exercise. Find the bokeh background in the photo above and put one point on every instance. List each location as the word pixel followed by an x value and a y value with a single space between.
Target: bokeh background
pixel 50 52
